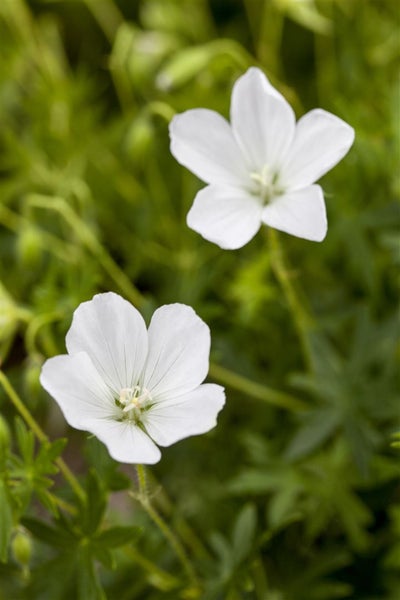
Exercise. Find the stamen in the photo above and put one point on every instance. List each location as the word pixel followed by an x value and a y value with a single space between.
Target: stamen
pixel 266 182
pixel 134 401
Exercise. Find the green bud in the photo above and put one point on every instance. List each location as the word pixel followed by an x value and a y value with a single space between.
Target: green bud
pixel 8 322
pixel 8 319
pixel 5 438
pixel 21 547
pixel 29 247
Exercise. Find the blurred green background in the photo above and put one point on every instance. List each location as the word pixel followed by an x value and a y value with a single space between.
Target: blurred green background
pixel 295 495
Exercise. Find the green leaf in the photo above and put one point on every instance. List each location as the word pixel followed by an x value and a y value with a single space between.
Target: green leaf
pixel 58 536
pixel 318 426
pixel 105 556
pixel 25 440
pixel 93 510
pixel 50 451
pixel 257 481
pixel 117 536
pixel 244 532
pixel 88 584
pixel 283 506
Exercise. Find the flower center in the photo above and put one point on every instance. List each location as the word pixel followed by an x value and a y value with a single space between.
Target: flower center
pixel 266 184
pixel 134 401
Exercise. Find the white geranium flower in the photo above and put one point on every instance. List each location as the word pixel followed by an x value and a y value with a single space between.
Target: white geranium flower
pixel 130 387
pixel 260 168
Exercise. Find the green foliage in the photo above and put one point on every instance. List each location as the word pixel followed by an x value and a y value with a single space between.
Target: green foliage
pixel 295 494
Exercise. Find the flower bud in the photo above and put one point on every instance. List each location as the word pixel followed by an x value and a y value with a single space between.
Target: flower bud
pixel 21 547
pixel 29 247
pixel 7 313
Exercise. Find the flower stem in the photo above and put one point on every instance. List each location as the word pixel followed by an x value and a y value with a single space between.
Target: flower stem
pixel 256 390
pixel 182 527
pixel 302 319
pixel 40 434
pixel 154 515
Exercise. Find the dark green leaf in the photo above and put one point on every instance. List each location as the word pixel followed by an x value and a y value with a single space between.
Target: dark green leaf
pixel 89 587
pixel 57 536
pixel 118 536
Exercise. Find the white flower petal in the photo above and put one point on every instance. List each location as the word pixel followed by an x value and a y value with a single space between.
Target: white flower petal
pixel 262 120
pixel 321 141
pixel 202 141
pixel 179 348
pixel 78 389
pixel 226 216
pixel 113 333
pixel 188 415
pixel 301 213
pixel 125 441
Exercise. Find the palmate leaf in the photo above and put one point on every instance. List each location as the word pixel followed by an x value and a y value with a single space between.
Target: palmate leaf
pixel 58 535
pixel 82 545
pixel 318 490
pixel 313 581
pixel 318 427
pixel 72 574
pixel 347 387
pixel 32 471
pixel 232 554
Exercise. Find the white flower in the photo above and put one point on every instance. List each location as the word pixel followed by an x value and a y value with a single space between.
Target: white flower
pixel 261 167
pixel 130 387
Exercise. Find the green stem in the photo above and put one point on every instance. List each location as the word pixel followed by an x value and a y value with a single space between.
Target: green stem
pixel 161 109
pixel 40 434
pixel 88 238
pixel 185 531
pixel 256 390
pixel 260 579
pixel 154 515
pixel 302 319
pixel 33 328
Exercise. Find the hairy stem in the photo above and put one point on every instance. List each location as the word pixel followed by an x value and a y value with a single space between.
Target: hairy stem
pixel 154 515
pixel 256 390
pixel 302 319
